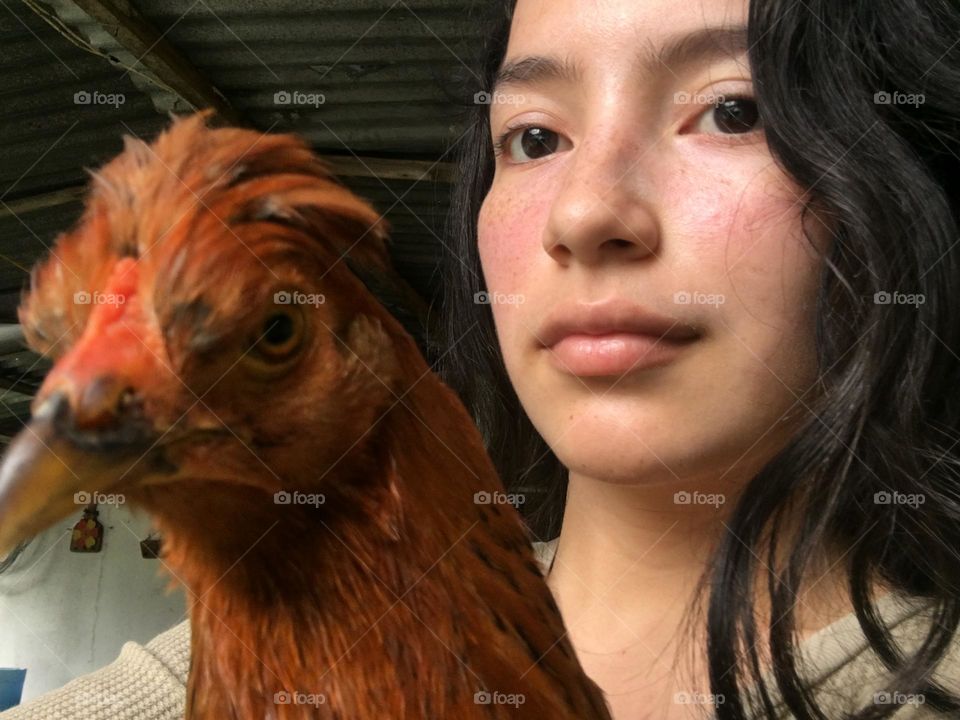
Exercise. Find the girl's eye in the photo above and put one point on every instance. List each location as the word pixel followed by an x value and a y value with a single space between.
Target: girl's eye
pixel 530 140
pixel 730 116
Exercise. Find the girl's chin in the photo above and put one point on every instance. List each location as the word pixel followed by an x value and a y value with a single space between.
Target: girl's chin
pixel 646 471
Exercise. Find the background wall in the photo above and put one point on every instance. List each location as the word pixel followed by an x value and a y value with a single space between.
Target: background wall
pixel 65 614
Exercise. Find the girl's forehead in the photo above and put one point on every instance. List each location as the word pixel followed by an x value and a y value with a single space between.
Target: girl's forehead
pixel 547 43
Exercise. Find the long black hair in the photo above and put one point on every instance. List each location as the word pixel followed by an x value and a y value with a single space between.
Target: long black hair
pixel 860 103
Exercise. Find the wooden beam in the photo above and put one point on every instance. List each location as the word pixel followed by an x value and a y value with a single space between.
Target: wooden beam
pixel 141 39
pixel 389 169
pixel 42 201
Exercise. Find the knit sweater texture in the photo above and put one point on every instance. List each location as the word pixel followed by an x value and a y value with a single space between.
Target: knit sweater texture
pixel 148 682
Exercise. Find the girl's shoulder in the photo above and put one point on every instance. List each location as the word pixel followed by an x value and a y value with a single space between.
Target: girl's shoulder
pixel 147 682
pixel 846 674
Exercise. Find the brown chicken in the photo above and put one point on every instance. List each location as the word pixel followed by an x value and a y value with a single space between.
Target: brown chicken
pixel 217 363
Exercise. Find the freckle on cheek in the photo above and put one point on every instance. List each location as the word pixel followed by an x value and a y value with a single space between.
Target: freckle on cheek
pixel 509 238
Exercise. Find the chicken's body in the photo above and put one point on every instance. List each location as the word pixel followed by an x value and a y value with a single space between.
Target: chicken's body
pixel 384 589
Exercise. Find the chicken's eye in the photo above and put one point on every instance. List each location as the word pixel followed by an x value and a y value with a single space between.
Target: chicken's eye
pixel 280 335
pixel 279 330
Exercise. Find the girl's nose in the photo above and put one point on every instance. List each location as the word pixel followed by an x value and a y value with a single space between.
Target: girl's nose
pixel 602 213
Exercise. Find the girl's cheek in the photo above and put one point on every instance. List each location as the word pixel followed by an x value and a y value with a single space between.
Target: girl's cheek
pixel 509 240
pixel 729 220
pixel 767 249
pixel 511 249
pixel 708 199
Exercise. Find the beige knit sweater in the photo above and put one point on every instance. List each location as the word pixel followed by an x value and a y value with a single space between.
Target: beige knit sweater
pixel 148 682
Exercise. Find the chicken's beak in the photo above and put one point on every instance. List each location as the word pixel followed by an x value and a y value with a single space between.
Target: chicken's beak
pixel 97 419
pixel 50 471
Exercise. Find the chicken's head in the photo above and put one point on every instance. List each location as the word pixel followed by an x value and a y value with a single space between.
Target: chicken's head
pixel 211 345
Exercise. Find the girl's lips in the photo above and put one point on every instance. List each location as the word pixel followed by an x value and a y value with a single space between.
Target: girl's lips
pixel 615 353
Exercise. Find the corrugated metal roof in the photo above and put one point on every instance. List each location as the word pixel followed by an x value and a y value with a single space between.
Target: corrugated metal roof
pixel 380 68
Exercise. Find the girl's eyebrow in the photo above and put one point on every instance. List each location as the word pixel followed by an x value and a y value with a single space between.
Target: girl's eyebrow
pixel 676 52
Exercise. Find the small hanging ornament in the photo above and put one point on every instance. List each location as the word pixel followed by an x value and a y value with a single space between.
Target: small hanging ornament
pixel 88 533
pixel 150 547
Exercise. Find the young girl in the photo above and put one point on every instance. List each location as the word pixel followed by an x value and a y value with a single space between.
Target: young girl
pixel 700 299
pixel 714 246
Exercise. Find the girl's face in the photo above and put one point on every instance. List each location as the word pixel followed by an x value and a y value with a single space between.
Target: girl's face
pixel 635 184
